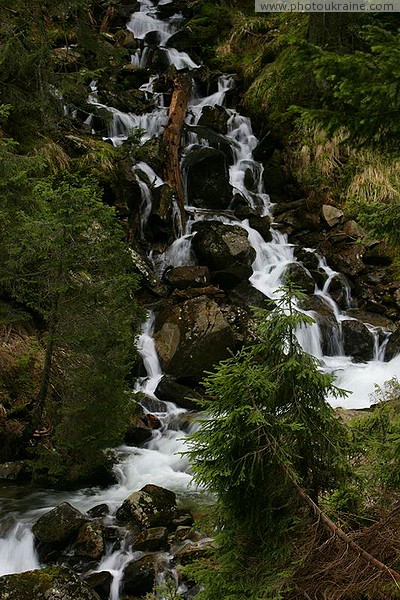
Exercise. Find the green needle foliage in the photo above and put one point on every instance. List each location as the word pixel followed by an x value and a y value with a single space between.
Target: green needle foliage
pixel 268 427
pixel 67 262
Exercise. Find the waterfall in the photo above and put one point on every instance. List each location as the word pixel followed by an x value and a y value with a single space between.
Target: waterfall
pixel 160 461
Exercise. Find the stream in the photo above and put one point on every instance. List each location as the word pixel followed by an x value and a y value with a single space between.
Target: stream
pixel 160 461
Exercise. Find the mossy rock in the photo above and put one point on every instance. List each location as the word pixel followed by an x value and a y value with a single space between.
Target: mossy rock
pixel 45 584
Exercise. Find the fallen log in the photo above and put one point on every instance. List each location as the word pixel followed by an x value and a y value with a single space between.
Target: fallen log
pixel 172 140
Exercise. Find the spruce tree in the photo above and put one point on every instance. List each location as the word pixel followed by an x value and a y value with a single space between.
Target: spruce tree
pixel 268 433
pixel 68 263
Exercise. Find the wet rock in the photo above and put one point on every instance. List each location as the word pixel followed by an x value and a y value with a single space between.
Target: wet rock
pixel 328 325
pixel 339 289
pixel 153 540
pixel 181 40
pixel 226 251
pixel 246 295
pixel 372 318
pixel 100 583
pixel 152 404
pixel 17 471
pixel 171 391
pixel 98 511
pixel 393 346
pixel 183 520
pixel 299 276
pixel 182 278
pixel 152 506
pixel 215 117
pixel 152 38
pixel 139 577
pixel 140 429
pixel 358 341
pixel 157 60
pixel 331 214
pixel 192 336
pixel 90 541
pixel 55 529
pixel 46 584
pixel 308 258
pixel 182 533
pixel 262 225
pixel 208 178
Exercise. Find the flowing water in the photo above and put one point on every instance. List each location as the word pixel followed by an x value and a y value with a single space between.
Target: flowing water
pixel 160 461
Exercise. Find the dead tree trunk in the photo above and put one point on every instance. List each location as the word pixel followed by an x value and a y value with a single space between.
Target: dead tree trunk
pixel 172 140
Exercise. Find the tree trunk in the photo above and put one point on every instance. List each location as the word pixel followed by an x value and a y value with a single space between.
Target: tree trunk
pixel 172 140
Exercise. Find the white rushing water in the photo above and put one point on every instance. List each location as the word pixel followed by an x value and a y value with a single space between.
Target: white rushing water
pixel 160 461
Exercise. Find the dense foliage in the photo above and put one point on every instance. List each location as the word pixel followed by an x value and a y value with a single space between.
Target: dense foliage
pixel 65 267
pixel 268 429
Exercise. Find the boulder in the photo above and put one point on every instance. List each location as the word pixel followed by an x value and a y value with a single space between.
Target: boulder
pixel 98 511
pixel 152 540
pixel 339 289
pixel 181 40
pixel 208 178
pixel 57 528
pixel 262 225
pixel 308 258
pixel 331 214
pixel 171 391
pixel 139 577
pixel 354 230
pixel 100 583
pixel 90 541
pixel 214 140
pixel 152 404
pixel 226 251
pixel 181 278
pixel 358 341
pixel 215 117
pixel 299 276
pixel 348 259
pixel 125 39
pixel 328 325
pixel 152 506
pixel 393 345
pixel 297 220
pixel 192 337
pixel 46 584
pixel 246 295
pixel 140 428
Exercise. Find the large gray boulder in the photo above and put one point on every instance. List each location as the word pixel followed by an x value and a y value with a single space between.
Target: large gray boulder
pixel 170 390
pixel 192 337
pixel 300 276
pixel 57 528
pixel 45 584
pixel 208 178
pixel 226 251
pixel 152 506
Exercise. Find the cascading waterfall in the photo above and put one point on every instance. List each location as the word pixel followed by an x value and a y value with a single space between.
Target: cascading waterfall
pixel 160 461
